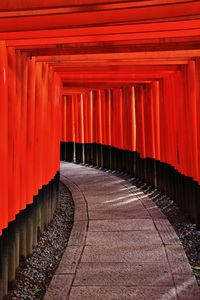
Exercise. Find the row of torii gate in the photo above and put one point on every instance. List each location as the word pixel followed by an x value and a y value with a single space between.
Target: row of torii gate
pixel 116 82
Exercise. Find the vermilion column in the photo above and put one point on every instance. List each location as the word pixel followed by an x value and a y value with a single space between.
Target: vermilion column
pixel 163 123
pixel 52 122
pixel 97 117
pixel 3 136
pixel 18 128
pixel 140 142
pixel 13 171
pixel 126 104
pixel 156 118
pixel 81 119
pixel 181 121
pixel 175 88
pixel 108 111
pixel 56 100
pixel 90 118
pixel 24 121
pixel 45 146
pixel 38 124
pixel 130 119
pixel 192 119
pixel 86 100
pixel 103 117
pixel 198 113
pixel 167 116
pixel 30 129
pixel 148 122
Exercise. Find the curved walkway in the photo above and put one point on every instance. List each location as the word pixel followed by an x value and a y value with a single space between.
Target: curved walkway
pixel 121 245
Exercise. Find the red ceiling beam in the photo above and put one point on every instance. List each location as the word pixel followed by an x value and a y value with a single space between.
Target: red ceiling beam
pixel 150 63
pixel 24 5
pixel 103 30
pixel 100 38
pixel 101 85
pixel 183 54
pixel 125 69
pixel 165 12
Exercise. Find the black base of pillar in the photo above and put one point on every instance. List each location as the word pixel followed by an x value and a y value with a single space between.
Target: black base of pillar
pixel 17 241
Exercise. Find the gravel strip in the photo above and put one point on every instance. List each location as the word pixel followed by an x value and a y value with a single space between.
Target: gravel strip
pixel 35 273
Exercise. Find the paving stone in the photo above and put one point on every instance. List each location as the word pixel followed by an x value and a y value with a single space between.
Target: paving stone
pixel 118 213
pixel 122 293
pixel 125 201
pixel 167 232
pixel 78 234
pixel 121 225
pixel 178 260
pixel 70 260
pixel 101 194
pixel 129 238
pixel 107 198
pixel 115 253
pixel 123 274
pixel 59 287
pixel 187 288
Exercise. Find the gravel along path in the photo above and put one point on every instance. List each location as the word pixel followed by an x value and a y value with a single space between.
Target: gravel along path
pixel 35 272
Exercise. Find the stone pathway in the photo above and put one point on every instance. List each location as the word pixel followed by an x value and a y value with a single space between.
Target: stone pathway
pixel 121 246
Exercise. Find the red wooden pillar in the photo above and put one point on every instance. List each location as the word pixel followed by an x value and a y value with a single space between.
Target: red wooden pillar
pixel 113 120
pixel 109 124
pixel 90 127
pixel 120 121
pixel 57 121
pixel 97 126
pixel 86 117
pixel 140 136
pixel 125 97
pixel 129 120
pixel 126 104
pixel 184 163
pixel 18 128
pixel 51 121
pixel 3 137
pixel 192 120
pixel 45 146
pixel 163 123
pixel 147 121
pixel 24 121
pixel 13 173
pixel 81 127
pixel 142 116
pixel 156 118
pixel 165 120
pixel 30 129
pixel 86 99
pixel 156 128
pixel 198 114
pixel 38 125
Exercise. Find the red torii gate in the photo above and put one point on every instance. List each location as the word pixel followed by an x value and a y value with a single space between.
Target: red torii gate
pixel 126 73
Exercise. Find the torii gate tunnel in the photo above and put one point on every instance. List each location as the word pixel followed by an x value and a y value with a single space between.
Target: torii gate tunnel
pixel 107 83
